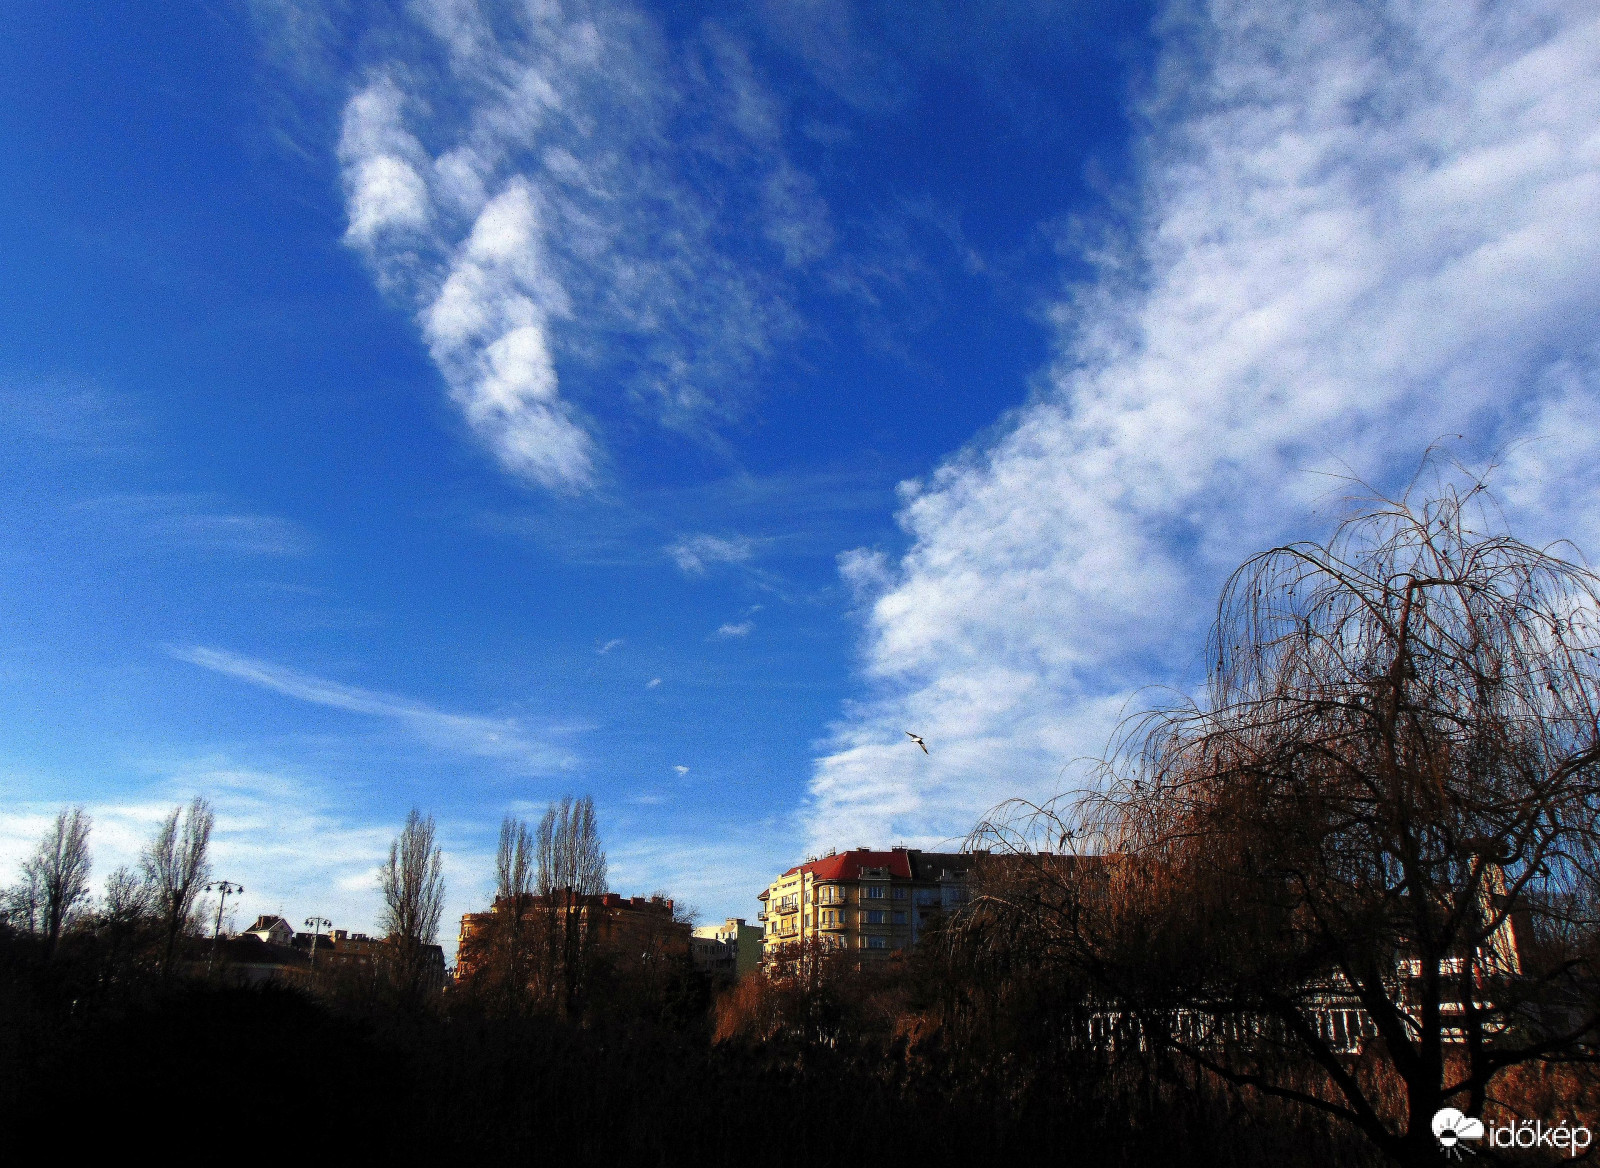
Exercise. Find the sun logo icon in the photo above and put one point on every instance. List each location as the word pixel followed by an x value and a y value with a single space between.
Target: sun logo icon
pixel 1450 1127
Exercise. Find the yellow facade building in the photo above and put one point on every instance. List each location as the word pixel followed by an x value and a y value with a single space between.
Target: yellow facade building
pixel 868 900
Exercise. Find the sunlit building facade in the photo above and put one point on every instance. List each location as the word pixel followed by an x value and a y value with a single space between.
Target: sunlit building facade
pixel 873 901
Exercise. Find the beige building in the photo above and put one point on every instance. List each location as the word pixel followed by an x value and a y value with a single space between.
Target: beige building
pixel 873 901
pixel 742 942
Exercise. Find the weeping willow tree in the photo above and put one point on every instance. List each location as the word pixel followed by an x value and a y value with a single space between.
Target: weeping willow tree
pixel 1360 870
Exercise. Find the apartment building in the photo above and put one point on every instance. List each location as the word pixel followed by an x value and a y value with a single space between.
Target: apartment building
pixel 742 941
pixel 863 899
pixel 634 924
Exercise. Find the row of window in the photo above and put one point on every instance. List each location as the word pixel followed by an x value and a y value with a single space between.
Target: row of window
pixel 832 894
pixel 875 916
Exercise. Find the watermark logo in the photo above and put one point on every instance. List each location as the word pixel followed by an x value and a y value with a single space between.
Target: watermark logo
pixel 1453 1129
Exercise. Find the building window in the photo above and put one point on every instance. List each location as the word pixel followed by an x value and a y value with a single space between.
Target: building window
pixel 899 918
pixel 877 942
pixel 875 892
pixel 899 893
pixel 876 917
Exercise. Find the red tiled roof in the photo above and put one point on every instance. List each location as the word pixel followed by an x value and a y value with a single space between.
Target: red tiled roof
pixel 848 865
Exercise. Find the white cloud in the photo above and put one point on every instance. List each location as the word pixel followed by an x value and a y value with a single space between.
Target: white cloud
pixel 742 629
pixel 487 330
pixel 1360 230
pixel 614 643
pixel 543 199
pixel 682 770
pixel 696 554
pixel 384 190
pixel 502 738
pixel 652 683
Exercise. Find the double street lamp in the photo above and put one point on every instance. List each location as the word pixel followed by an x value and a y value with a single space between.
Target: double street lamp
pixel 225 889
pixel 316 925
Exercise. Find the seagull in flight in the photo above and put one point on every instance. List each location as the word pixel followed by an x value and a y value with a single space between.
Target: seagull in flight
pixel 918 741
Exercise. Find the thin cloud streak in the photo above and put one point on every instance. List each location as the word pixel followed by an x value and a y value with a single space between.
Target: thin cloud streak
pixel 501 738
pixel 196 522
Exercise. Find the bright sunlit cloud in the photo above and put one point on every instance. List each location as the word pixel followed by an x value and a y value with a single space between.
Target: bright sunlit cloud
pixel 528 180
pixel 1114 294
pixel 1359 230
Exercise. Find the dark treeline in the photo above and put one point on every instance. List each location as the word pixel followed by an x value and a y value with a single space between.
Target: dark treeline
pixel 961 1049
pixel 902 1063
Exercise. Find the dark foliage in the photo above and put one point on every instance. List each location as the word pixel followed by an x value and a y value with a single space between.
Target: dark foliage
pixel 885 1084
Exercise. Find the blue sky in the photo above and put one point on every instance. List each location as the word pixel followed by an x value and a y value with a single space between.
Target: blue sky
pixel 460 404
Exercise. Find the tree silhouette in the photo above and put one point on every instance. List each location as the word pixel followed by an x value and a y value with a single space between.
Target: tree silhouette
pixel 571 868
pixel 176 867
pixel 59 869
pixel 412 882
pixel 1383 807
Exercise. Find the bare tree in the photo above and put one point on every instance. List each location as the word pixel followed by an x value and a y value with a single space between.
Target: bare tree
pixel 127 897
pixel 412 881
pixel 176 866
pixel 59 869
pixel 497 951
pixel 571 869
pixel 1368 857
pixel 569 853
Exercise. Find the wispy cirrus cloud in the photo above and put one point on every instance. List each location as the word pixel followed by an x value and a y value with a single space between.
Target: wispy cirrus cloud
pixel 195 522
pixel 695 555
pixel 742 629
pixel 550 185
pixel 474 734
pixel 1359 228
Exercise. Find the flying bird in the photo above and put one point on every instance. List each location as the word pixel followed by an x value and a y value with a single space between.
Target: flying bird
pixel 918 741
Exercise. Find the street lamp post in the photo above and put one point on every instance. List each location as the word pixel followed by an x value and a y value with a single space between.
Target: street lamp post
pixel 225 889
pixel 316 925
